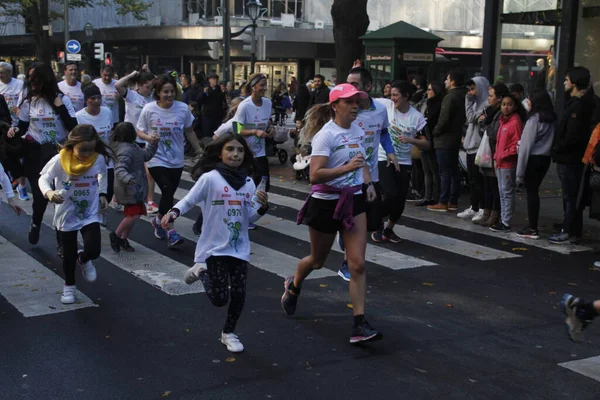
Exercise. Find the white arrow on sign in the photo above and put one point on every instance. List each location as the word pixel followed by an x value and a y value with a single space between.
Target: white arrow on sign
pixel 73 46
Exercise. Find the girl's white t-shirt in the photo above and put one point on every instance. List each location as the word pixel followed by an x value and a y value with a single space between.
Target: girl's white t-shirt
pixel 11 93
pixel 407 124
pixel 81 205
pixel 226 211
pixel 110 97
pixel 74 93
pixel 44 125
pixel 5 183
pixel 134 104
pixel 251 116
pixel 340 146
pixel 169 125
pixel 372 121
pixel 102 122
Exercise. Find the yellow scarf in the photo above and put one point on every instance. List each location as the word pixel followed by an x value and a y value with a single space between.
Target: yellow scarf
pixel 74 166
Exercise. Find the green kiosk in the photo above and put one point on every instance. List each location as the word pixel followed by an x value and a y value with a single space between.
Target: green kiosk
pixel 398 52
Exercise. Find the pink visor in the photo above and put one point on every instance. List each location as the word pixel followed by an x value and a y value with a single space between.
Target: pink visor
pixel 344 91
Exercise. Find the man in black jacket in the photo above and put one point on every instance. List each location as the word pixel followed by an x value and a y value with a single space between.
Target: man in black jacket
pixel 570 142
pixel 213 103
pixel 447 136
pixel 321 93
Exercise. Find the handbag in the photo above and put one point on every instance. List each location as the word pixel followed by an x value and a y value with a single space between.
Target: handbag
pixel 483 158
pixel 594 180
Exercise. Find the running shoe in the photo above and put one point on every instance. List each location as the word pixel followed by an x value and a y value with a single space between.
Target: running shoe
pixel 425 203
pixel 173 238
pixel 560 238
pixel 500 227
pixel 379 237
pixel 193 274
pixel 289 300
pixel 344 272
pixel 68 294
pixel 528 233
pixel 452 207
pixel 124 243
pixel 159 231
pixel 116 206
pixel 251 226
pixel 439 207
pixel 363 332
pixel 232 342
pixel 151 208
pixel 468 213
pixel 22 192
pixel 340 242
pixel 114 242
pixel 87 269
pixel 392 237
pixel 34 233
pixel 575 324
pixel 413 196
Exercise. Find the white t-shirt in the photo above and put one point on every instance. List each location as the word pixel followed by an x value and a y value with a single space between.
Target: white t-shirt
pixel 169 124
pixel 11 92
pixel 82 198
pixel 102 122
pixel 74 93
pixel 407 124
pixel 226 211
pixel 110 97
pixel 44 125
pixel 134 103
pixel 372 121
pixel 5 183
pixel 251 116
pixel 340 146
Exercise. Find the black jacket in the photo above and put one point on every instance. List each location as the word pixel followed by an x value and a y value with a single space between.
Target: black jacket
pixel 432 114
pixel 213 103
pixel 4 111
pixel 189 94
pixel 574 129
pixel 449 129
pixel 319 96
pixel 301 102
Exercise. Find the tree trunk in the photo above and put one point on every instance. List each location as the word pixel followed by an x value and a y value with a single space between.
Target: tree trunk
pixel 350 21
pixel 38 12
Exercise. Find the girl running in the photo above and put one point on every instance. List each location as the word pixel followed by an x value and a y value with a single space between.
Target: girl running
pixel 223 192
pixel 170 120
pixel 4 179
pixel 78 173
pixel 337 204
pixel 131 185
pixel 509 134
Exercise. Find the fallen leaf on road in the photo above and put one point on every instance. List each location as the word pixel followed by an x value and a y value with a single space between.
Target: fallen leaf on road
pixel 421 370
pixel 350 305
pixel 230 359
pixel 166 394
pixel 552 292
pixel 572 284
pixel 449 306
pixel 323 285
pixel 427 284
pixel 520 249
pixel 308 366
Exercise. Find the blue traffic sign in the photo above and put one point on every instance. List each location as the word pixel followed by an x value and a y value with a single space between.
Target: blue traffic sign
pixel 73 46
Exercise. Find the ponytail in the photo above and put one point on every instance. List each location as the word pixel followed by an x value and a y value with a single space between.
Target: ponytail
pixel 314 120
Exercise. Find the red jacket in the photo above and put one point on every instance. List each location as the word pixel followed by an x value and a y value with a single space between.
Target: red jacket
pixel 509 134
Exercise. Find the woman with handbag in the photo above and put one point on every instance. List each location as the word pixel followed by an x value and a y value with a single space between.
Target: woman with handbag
pixel 46 117
pixel 535 156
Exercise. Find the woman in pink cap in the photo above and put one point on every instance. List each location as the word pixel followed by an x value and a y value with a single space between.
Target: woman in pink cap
pixel 337 202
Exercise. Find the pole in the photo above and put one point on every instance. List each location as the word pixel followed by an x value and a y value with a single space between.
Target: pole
pixel 565 49
pixel 66 18
pixel 492 35
pixel 226 40
pixel 253 59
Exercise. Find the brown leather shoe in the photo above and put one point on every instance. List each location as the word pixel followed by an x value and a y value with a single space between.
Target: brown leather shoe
pixel 452 207
pixel 439 207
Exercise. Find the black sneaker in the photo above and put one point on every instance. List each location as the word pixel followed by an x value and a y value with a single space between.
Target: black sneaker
pixel 363 333
pixel 425 203
pixel 500 227
pixel 528 233
pixel 114 242
pixel 289 300
pixel 34 234
pixel 575 324
pixel 379 237
pixel 391 236
pixel 412 197
pixel 124 243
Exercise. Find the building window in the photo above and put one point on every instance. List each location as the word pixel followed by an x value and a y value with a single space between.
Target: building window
pixel 239 7
pixel 279 7
pixel 206 8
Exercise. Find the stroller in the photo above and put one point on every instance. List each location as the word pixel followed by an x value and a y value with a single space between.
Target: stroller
pixel 280 137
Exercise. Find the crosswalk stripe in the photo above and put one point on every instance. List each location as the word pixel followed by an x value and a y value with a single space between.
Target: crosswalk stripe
pixel 30 287
pixel 149 266
pixel 589 367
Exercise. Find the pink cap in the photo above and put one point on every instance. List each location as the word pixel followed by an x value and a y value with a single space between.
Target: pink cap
pixel 344 91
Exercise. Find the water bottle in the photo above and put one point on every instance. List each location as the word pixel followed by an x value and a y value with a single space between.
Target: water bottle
pixel 66 186
pixel 261 186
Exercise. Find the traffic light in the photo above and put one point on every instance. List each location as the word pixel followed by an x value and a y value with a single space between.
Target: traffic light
pixel 107 58
pixel 215 50
pixel 99 51
pixel 261 47
pixel 60 56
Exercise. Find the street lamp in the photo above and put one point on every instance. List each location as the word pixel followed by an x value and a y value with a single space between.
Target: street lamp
pixel 89 30
pixel 254 7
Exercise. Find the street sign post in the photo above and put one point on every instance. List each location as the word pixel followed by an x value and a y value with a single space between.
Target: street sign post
pixel 73 57
pixel 73 46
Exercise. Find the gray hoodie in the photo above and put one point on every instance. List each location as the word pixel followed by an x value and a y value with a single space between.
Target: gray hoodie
pixel 131 183
pixel 537 140
pixel 474 107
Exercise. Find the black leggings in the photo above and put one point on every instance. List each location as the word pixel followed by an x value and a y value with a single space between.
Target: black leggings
pixel 395 185
pixel 491 193
pixel 222 272
pixel 33 165
pixel 91 249
pixel 167 180
pixel 537 167
pixel 262 169
pixel 110 183
pixel 475 183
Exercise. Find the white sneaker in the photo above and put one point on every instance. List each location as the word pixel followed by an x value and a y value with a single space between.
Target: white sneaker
pixel 232 342
pixel 87 269
pixel 151 208
pixel 116 206
pixel 468 213
pixel 478 217
pixel 68 294
pixel 193 274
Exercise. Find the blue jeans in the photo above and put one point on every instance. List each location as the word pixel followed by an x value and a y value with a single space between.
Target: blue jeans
pixel 570 179
pixel 506 188
pixel 449 175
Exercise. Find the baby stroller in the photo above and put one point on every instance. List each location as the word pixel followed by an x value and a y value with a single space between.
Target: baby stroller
pixel 279 137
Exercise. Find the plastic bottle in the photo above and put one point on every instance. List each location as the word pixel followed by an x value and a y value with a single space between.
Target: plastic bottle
pixel 261 186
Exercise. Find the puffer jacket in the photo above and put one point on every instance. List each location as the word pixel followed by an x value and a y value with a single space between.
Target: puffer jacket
pixel 509 134
pixel 474 108
pixel 131 184
pixel 448 132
